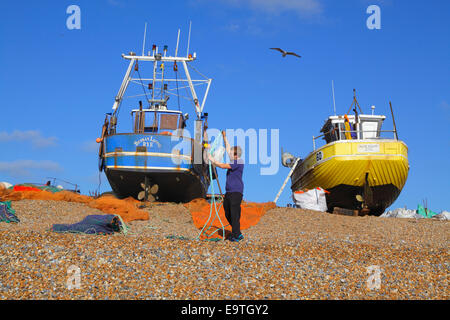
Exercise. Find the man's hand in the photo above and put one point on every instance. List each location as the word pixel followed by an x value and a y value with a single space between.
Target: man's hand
pixel 227 144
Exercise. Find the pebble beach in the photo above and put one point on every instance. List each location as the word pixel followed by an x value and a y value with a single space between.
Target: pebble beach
pixel 290 254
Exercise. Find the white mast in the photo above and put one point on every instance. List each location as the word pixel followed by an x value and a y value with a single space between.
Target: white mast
pixel 189 38
pixel 178 41
pixel 155 65
pixel 143 44
pixel 191 86
pixel 157 59
pixel 123 86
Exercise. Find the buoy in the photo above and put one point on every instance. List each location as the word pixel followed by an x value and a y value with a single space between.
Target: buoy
pixel 98 140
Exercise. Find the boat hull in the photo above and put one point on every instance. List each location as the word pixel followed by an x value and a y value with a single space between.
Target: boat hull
pixel 375 170
pixel 344 196
pixel 173 186
pixel 131 159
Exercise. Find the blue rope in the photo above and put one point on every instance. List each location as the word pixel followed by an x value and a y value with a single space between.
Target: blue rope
pixel 213 201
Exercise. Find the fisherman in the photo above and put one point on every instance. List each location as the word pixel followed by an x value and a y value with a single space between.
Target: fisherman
pixel 234 188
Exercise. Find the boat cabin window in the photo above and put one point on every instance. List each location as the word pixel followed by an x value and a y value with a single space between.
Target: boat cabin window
pixel 370 129
pixel 151 122
pixel 366 127
pixel 331 132
pixel 342 131
pixel 335 132
pixel 169 121
pixel 159 122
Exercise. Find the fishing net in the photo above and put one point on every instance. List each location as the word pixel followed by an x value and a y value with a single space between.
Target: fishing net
pixel 33 187
pixel 425 212
pixel 251 213
pixel 126 208
pixel 7 214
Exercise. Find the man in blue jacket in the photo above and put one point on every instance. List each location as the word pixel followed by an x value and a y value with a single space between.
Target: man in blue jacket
pixel 234 188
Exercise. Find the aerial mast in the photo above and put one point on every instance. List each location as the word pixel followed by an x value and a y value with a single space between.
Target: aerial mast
pixel 143 42
pixel 189 39
pixel 178 41
pixel 155 65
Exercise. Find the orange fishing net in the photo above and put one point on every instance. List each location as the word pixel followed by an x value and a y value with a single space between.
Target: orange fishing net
pixel 251 213
pixel 126 208
pixel 25 188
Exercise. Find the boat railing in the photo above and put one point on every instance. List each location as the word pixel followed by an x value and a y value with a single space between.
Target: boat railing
pixel 357 132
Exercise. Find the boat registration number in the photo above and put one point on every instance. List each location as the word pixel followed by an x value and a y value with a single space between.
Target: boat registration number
pixel 368 148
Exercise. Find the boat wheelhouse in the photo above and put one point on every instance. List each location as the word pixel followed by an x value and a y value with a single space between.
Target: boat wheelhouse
pixel 361 127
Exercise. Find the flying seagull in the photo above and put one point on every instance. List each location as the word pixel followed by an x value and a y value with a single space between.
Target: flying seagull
pixel 284 53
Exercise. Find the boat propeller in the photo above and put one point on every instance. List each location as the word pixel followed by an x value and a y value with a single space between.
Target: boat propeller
pixel 151 192
pixel 364 208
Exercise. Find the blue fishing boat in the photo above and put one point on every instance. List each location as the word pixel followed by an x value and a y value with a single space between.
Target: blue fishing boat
pixel 157 158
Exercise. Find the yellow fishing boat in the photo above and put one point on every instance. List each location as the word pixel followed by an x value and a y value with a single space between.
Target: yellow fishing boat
pixel 361 169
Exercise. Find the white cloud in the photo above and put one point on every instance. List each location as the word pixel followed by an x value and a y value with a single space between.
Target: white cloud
pixel 33 136
pixel 23 168
pixel 445 106
pixel 90 146
pixel 301 7
pixel 233 27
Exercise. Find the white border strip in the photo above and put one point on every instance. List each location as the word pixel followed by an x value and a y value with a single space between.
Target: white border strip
pixel 148 154
pixel 359 155
pixel 152 168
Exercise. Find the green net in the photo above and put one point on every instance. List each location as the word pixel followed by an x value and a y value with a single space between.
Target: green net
pixel 41 187
pixel 426 213
pixel 7 213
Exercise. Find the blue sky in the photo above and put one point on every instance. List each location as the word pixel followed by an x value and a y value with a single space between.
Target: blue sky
pixel 56 84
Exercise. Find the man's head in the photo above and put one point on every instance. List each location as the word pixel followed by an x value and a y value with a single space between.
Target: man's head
pixel 236 152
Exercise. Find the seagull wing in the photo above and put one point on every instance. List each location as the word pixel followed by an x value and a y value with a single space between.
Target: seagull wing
pixel 278 49
pixel 293 54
